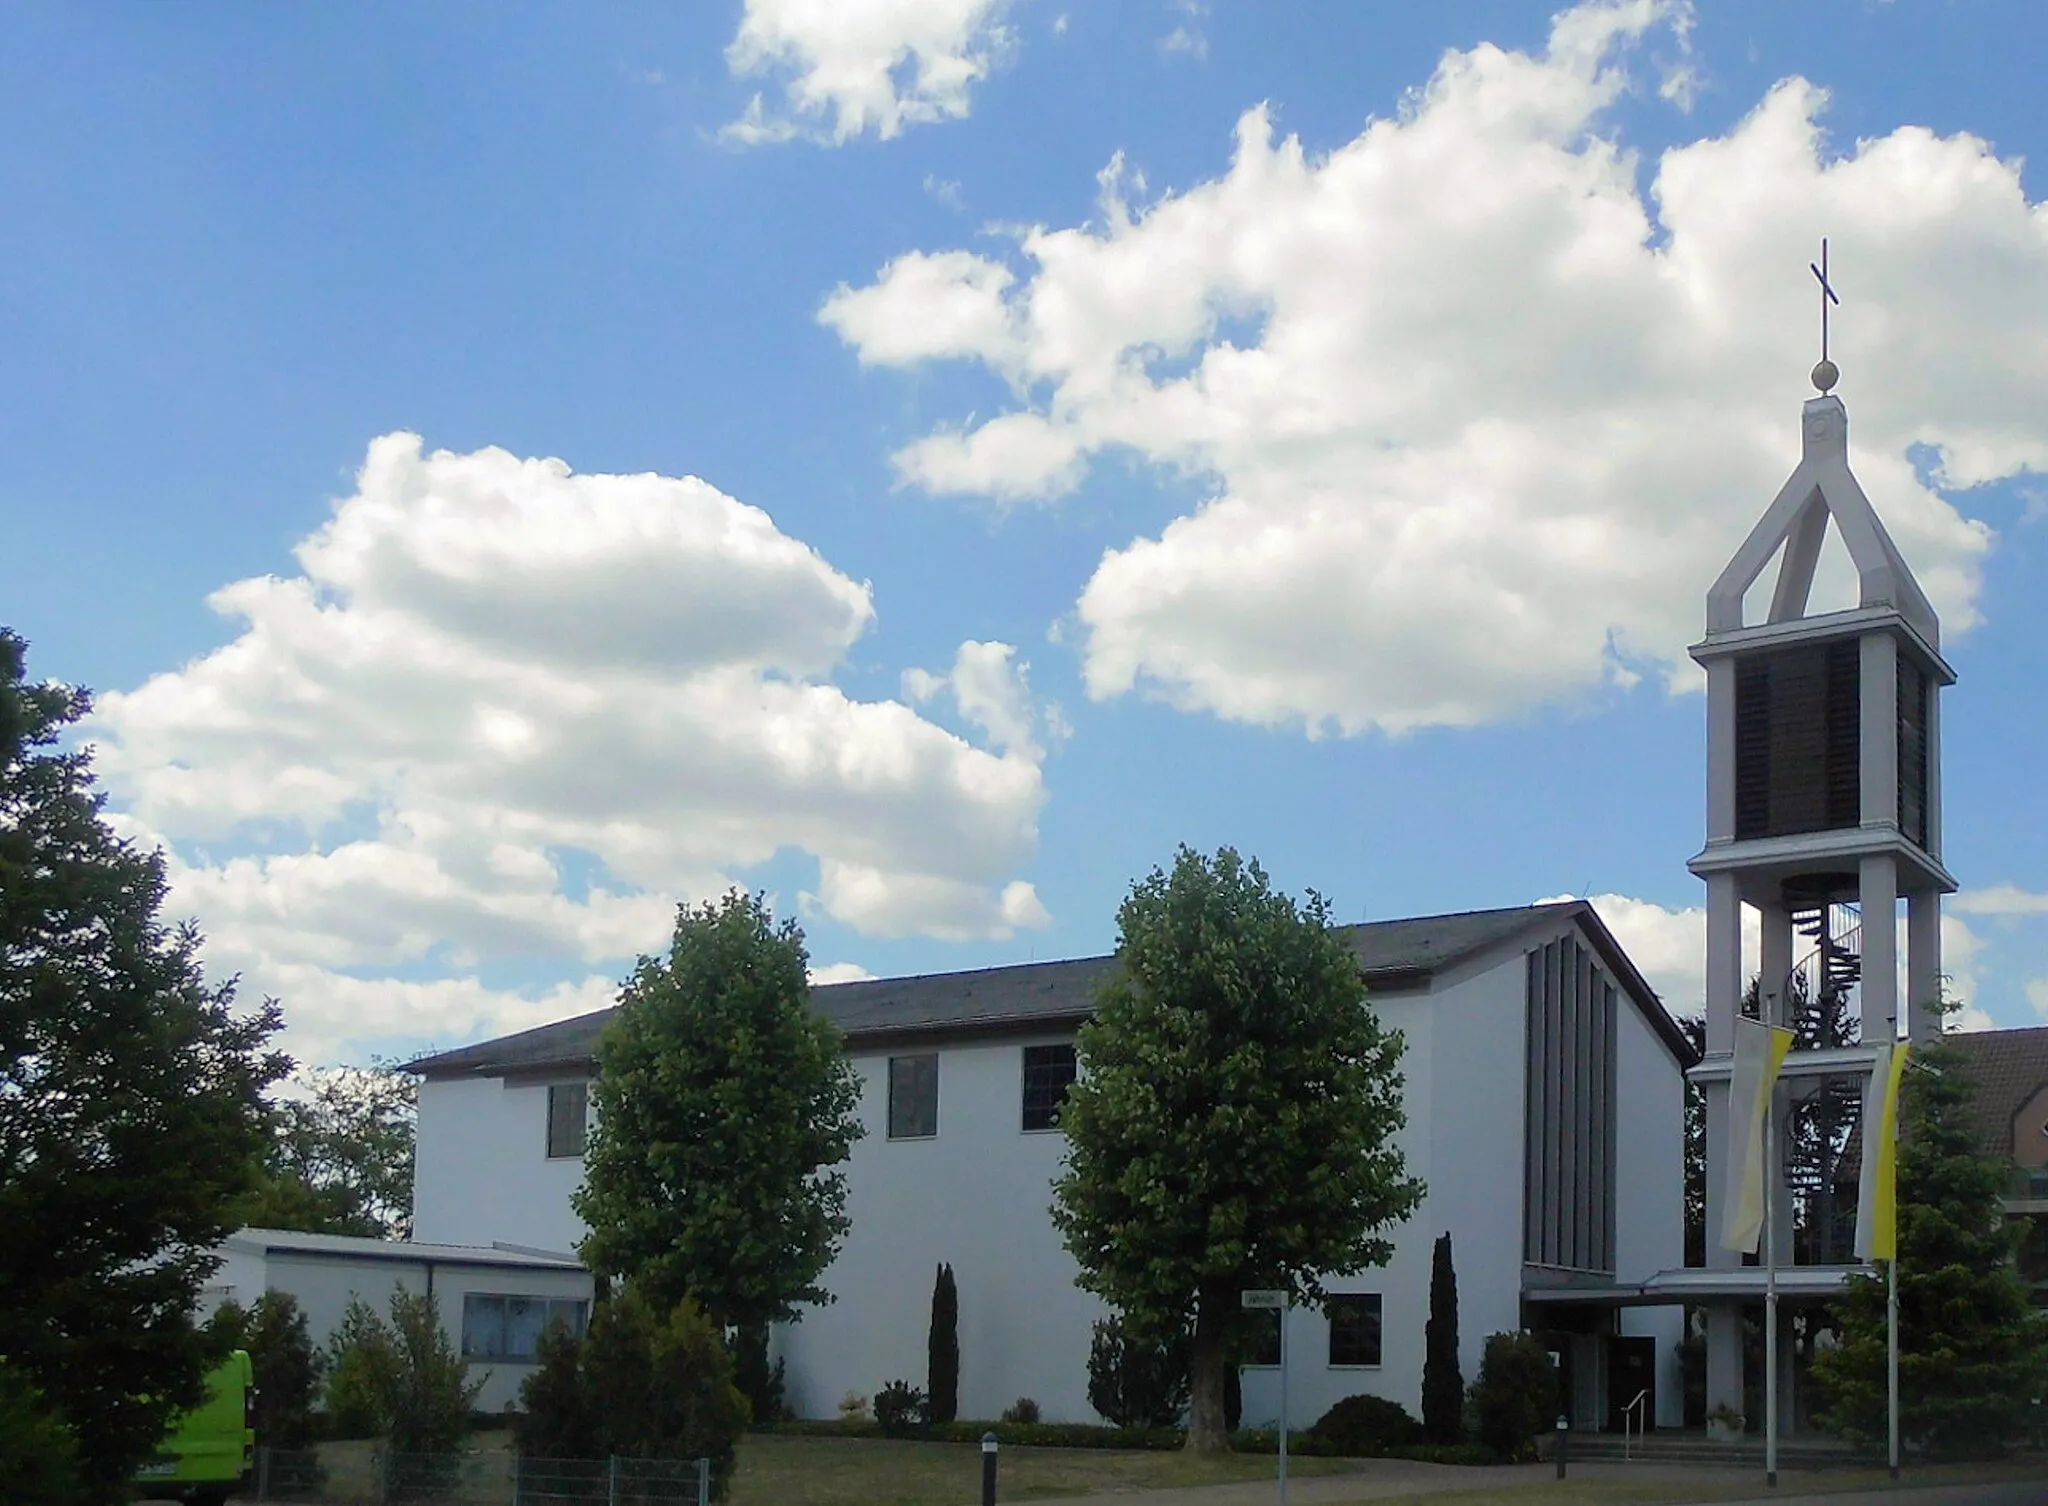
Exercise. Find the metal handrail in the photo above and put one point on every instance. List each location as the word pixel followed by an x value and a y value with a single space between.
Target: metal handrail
pixel 1642 1411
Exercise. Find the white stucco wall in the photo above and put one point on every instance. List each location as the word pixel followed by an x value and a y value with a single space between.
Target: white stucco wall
pixel 483 1174
pixel 976 1196
pixel 1649 1191
pixel 1463 1068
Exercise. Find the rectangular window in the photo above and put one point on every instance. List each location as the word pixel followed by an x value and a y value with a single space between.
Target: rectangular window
pixel 1915 689
pixel 913 1096
pixel 1354 1328
pixel 505 1327
pixel 1048 1073
pixel 1263 1326
pixel 568 1112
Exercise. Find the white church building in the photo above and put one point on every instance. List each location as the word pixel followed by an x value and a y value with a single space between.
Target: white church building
pixel 1544 1099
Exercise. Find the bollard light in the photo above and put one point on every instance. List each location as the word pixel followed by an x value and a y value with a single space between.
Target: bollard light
pixel 988 1469
pixel 1564 1427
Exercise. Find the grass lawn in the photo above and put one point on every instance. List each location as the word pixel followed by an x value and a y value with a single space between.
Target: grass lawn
pixel 886 1472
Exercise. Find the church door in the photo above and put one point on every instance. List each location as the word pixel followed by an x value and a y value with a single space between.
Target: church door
pixel 1631 1371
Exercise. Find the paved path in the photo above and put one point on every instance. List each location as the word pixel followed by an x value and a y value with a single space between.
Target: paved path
pixel 1401 1479
pixel 2011 1493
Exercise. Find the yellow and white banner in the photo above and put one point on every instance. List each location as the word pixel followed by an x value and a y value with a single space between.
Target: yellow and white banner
pixel 1877 1186
pixel 1759 1053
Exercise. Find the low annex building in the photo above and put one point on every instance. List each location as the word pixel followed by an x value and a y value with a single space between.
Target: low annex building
pixel 1544 1097
pixel 494 1300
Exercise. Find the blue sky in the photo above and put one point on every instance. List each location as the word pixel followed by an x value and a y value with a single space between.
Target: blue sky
pixel 1306 427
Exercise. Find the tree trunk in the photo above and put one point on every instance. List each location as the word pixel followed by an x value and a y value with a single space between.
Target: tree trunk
pixel 1208 1432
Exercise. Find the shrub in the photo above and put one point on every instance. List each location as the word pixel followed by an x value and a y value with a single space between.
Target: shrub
pixel 763 1385
pixel 1023 1409
pixel 1515 1397
pixel 1367 1426
pixel 853 1407
pixel 554 1419
pixel 402 1380
pixel 900 1408
pixel 942 1372
pixel 1136 1381
pixel 287 1367
pixel 360 1361
pixel 660 1386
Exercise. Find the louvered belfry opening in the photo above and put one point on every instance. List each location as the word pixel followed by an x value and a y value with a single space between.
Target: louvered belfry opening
pixel 1798 766
pixel 1915 689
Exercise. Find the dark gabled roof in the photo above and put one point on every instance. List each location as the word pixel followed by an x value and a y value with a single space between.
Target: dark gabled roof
pixel 1395 954
pixel 2009 1067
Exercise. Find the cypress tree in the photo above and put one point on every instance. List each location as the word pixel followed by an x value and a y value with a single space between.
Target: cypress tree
pixel 1971 1349
pixel 942 1373
pixel 1443 1383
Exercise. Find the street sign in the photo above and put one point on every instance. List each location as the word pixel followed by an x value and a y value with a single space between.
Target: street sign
pixel 1275 1301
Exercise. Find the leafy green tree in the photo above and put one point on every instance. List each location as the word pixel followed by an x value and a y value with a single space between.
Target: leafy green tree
pixel 942 1348
pixel 1233 1125
pixel 131 1103
pixel 1443 1382
pixel 273 1330
pixel 339 1158
pixel 1973 1354
pixel 38 1454
pixel 723 1106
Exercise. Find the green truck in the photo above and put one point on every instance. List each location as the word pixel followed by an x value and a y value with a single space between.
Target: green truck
pixel 212 1449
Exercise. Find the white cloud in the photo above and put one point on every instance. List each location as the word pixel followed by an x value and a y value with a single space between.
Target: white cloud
pixel 1971 1018
pixel 2000 899
pixel 511 712
pixel 990 687
pixel 2037 995
pixel 851 66
pixel 1667 945
pixel 1478 419
pixel 928 307
pixel 840 972
pixel 1187 38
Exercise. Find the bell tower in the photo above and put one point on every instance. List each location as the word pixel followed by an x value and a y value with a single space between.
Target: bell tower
pixel 1823 804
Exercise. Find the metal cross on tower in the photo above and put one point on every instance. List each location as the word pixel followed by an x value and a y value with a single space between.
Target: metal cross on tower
pixel 1827 294
pixel 1826 374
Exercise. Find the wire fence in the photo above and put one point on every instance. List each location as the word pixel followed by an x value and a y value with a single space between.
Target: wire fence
pixel 358 1478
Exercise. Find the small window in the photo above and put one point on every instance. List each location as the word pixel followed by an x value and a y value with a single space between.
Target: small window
pixel 504 1327
pixel 913 1096
pixel 1048 1073
pixel 568 1112
pixel 1354 1329
pixel 1262 1327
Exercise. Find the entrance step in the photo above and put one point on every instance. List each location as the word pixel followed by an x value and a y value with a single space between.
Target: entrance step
pixel 1671 1446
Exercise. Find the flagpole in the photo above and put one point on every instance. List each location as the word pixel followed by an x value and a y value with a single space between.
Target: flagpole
pixel 1770 1293
pixel 1891 1355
